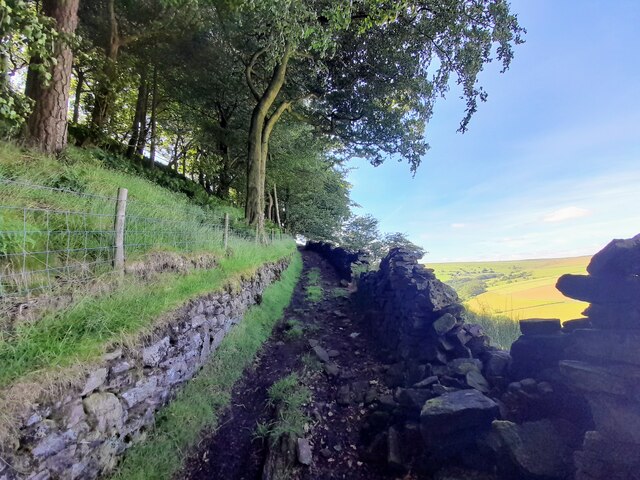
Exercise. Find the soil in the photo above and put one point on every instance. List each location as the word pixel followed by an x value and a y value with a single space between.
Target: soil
pixel 233 452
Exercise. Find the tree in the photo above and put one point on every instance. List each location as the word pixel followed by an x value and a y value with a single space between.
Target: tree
pixel 24 34
pixel 365 73
pixel 47 124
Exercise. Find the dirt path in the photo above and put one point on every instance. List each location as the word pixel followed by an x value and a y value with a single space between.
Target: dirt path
pixel 343 389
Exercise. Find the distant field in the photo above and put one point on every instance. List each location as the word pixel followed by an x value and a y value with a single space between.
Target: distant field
pixel 515 289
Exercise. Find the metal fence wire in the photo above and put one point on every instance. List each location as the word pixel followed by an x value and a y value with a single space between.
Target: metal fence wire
pixel 44 244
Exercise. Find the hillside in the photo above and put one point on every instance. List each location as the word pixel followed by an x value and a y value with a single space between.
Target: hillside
pixel 516 289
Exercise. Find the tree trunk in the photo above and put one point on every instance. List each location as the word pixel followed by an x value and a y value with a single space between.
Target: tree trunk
pixel 275 196
pixel 78 96
pixel 104 88
pixel 154 108
pixel 138 120
pixel 256 158
pixel 47 125
pixel 144 127
pixel 270 207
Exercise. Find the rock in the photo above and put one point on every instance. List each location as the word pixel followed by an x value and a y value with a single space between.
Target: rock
pixel 529 385
pixel 602 290
pixel 616 417
pixel 537 450
pixel 333 353
pixel 452 412
pixel 343 397
pixel 613 317
pixel 394 450
pixel 615 379
pixel 50 445
pixel 110 356
pixel 427 382
pixel 144 389
pixel 540 326
pixel 606 345
pixel 444 324
pixel 344 283
pixel 154 354
pixel 496 363
pixel 96 379
pixel 105 411
pixel 73 413
pixel 575 324
pixel 321 353
pixel 475 380
pixel 462 366
pixel 531 354
pixel 619 258
pixel 413 398
pixel 331 369
pixel 303 451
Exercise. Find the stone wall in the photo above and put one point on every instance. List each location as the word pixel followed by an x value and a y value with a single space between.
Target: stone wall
pixel 442 371
pixel 85 431
pixel 339 258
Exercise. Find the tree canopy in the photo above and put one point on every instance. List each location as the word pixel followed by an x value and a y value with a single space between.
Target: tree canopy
pixel 259 101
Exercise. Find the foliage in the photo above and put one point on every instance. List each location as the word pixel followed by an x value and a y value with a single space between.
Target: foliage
pixel 24 34
pixel 201 402
pixel 361 233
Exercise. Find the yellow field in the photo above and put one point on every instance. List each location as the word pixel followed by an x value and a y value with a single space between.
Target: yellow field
pixel 517 289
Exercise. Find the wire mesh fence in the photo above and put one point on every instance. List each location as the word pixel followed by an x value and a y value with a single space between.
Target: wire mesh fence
pixel 55 236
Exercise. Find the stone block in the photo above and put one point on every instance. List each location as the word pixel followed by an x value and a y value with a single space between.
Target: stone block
pixel 606 345
pixel 454 412
pixel 601 290
pixel 95 380
pixel 154 354
pixel 105 411
pixel 540 326
pixel 619 258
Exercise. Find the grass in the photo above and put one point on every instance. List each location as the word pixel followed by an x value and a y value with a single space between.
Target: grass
pixel 157 218
pixel 79 334
pixel 515 289
pixel 200 403
pixel 288 396
pixel 502 331
pixel 315 293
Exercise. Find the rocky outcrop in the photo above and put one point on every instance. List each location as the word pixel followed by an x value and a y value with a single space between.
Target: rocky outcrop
pixel 83 433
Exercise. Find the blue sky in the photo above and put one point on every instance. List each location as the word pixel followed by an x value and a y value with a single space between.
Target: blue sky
pixel 550 166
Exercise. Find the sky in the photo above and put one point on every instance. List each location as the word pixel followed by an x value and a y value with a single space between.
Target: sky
pixel 550 165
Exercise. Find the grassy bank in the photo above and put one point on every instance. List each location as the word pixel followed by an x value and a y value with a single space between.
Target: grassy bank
pixel 80 333
pixel 502 331
pixel 201 402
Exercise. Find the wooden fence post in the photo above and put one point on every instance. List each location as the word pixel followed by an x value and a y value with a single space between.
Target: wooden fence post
pixel 225 234
pixel 121 209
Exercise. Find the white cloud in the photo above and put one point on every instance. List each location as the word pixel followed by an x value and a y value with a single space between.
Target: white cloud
pixel 458 225
pixel 566 213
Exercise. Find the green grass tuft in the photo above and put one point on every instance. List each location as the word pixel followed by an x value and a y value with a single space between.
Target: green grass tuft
pixel 502 331
pixel 202 401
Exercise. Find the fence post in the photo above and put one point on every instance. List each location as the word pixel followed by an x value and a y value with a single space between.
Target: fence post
pixel 225 234
pixel 121 208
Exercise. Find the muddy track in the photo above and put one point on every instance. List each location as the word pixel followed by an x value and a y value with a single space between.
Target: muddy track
pixel 232 452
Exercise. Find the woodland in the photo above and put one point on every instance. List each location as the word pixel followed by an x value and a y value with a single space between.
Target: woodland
pixel 262 102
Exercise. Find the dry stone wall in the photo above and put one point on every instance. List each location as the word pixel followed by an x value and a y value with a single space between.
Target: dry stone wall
pixel 339 258
pixel 83 433
pixel 564 403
